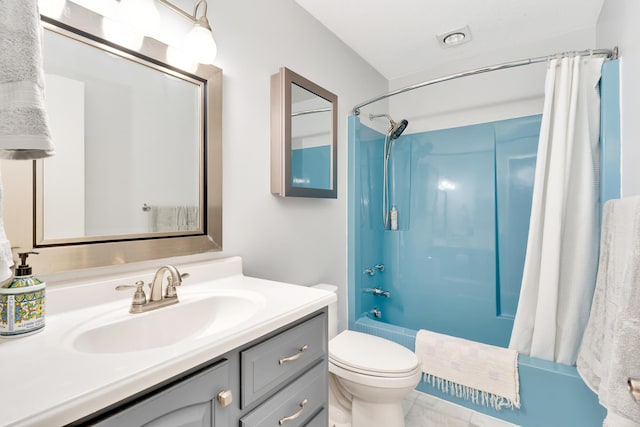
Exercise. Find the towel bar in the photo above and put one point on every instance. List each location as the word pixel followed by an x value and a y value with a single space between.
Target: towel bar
pixel 634 388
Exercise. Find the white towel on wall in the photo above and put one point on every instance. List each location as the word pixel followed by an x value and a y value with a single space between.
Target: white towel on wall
pixel 610 350
pixel 24 129
pixel 482 373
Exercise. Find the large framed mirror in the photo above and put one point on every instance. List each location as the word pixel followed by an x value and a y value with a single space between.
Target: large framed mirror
pixel 137 173
pixel 303 137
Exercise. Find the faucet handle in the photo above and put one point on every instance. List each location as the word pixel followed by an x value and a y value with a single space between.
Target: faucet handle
pixel 139 297
pixel 170 291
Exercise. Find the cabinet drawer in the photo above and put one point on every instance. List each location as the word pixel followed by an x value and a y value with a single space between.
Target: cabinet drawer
pixel 320 420
pixel 271 363
pixel 311 388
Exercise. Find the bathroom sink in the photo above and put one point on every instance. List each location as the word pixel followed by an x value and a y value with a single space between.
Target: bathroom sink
pixel 190 319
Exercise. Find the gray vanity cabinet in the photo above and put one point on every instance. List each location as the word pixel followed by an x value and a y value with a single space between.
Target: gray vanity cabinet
pixel 277 380
pixel 189 403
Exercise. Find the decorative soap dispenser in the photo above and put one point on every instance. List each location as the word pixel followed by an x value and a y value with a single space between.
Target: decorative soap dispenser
pixel 22 302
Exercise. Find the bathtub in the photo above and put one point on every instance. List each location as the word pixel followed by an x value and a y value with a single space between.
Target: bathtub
pixel 455 263
pixel 551 394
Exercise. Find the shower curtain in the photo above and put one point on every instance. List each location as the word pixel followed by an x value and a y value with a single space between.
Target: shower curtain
pixel 562 247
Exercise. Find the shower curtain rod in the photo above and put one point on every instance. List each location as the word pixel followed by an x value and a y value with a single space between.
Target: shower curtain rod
pixel 607 53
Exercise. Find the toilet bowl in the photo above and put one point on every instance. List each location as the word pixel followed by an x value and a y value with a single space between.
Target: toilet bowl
pixel 368 377
pixel 373 375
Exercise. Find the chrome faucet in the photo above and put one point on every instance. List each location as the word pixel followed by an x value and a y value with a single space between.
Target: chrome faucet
pixel 140 304
pixel 377 292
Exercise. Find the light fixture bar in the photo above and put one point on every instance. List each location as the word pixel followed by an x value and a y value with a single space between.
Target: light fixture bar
pixel 176 9
pixel 199 42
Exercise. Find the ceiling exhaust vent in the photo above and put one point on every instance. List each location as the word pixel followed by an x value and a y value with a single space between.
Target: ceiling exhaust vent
pixel 454 37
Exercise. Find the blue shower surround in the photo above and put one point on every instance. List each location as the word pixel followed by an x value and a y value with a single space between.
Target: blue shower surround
pixel 455 264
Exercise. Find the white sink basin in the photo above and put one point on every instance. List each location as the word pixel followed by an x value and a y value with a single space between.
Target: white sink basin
pixel 193 317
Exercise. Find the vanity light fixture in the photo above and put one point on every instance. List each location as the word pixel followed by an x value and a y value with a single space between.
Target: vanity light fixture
pixel 198 44
pixel 53 8
pixel 140 15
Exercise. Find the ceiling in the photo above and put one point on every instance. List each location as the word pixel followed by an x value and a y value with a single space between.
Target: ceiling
pixel 398 37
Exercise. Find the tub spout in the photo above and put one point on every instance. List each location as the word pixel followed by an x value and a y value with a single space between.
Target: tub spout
pixel 377 292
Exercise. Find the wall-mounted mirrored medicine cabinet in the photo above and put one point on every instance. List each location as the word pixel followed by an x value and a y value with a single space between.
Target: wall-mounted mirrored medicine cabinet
pixel 303 137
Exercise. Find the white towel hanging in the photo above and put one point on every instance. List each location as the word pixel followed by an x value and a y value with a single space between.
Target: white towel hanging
pixel 24 129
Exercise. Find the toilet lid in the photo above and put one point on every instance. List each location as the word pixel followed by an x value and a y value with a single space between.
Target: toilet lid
pixel 368 353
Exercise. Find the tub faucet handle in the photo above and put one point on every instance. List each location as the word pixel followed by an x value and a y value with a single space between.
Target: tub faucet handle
pixel 370 271
pixel 379 267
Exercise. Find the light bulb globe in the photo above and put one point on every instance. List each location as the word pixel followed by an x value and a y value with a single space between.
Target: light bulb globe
pixel 199 44
pixel 140 15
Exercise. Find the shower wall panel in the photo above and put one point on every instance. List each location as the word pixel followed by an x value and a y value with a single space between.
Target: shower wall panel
pixel 365 222
pixel 463 200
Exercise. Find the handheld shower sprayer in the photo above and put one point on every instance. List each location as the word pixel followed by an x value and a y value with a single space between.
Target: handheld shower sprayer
pixel 394 132
pixel 395 128
pixel 398 128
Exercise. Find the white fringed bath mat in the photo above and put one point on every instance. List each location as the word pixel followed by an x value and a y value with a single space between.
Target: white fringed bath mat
pixel 482 373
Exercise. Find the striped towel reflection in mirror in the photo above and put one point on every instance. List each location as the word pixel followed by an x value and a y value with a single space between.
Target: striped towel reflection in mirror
pixel 173 218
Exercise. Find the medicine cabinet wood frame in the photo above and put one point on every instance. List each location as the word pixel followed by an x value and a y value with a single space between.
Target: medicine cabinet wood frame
pixel 281 136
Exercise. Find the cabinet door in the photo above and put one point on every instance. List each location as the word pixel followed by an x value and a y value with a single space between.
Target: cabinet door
pixel 189 403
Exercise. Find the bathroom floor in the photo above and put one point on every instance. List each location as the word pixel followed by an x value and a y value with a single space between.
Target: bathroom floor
pixel 423 410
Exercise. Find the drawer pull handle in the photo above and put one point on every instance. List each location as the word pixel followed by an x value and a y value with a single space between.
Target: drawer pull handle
pixel 294 416
pixel 294 357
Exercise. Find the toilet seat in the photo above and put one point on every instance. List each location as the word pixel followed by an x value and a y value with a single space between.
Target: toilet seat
pixel 383 383
pixel 366 354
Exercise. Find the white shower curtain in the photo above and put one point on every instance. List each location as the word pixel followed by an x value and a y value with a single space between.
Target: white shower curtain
pixel 562 247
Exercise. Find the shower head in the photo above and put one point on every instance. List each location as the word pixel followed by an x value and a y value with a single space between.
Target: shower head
pixel 396 128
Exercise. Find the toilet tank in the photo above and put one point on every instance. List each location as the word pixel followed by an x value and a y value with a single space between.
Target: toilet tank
pixel 333 309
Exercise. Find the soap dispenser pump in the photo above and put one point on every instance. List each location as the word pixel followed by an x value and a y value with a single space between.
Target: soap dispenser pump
pixel 22 301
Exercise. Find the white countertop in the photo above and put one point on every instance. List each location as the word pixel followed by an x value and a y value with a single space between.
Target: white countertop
pixel 46 381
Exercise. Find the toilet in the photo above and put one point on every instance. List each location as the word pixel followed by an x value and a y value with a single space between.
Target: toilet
pixel 368 377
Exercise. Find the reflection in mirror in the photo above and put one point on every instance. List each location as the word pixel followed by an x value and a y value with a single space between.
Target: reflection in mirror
pixel 138 175
pixel 303 139
pixel 128 162
pixel 311 148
